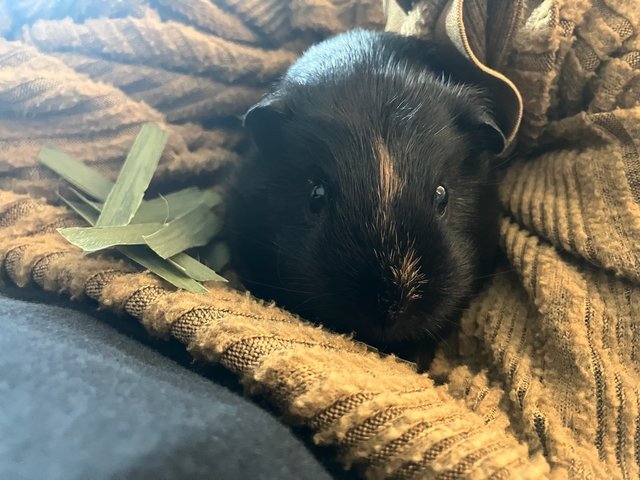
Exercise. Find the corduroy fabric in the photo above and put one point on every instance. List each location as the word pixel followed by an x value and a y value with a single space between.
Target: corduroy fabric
pixel 543 379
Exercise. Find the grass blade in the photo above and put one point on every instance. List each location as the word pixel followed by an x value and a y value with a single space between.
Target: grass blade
pixel 92 239
pixel 86 211
pixel 126 195
pixel 163 208
pixel 191 220
pixel 167 207
pixel 218 256
pixel 194 229
pixel 174 205
pixel 96 205
pixel 195 269
pixel 142 255
pixel 75 172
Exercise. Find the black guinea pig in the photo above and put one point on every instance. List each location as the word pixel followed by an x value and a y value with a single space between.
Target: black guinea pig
pixel 371 206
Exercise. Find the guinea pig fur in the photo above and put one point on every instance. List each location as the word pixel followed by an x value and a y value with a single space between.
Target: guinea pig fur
pixel 371 204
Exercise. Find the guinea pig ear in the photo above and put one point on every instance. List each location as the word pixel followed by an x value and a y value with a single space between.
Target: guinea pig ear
pixel 478 119
pixel 265 121
pixel 491 137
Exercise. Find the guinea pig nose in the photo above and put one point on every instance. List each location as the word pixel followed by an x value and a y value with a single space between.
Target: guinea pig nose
pixel 387 319
pixel 393 314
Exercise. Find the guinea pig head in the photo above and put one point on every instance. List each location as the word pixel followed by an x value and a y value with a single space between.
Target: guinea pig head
pixel 371 205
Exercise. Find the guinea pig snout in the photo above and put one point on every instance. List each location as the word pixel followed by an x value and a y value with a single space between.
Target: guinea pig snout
pixel 394 307
pixel 399 297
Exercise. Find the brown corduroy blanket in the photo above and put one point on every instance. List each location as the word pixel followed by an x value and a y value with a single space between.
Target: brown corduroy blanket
pixel 542 381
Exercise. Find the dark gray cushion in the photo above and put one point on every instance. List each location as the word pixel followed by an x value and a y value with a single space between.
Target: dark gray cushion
pixel 81 400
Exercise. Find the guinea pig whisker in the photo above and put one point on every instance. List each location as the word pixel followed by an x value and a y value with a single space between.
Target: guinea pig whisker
pixel 276 287
pixel 491 275
pixel 278 262
pixel 253 239
pixel 499 165
pixel 294 278
pixel 491 184
pixel 311 300
pixel 448 321
pixel 295 227
pixel 430 333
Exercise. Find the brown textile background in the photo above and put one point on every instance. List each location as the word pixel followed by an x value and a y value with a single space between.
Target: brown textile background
pixel 543 380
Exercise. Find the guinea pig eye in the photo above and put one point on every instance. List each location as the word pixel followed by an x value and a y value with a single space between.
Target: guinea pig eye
pixel 318 197
pixel 440 199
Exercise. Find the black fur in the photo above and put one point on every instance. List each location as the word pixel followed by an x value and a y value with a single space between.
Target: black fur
pixel 326 121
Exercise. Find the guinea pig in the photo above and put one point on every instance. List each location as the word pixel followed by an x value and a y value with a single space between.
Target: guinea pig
pixel 370 206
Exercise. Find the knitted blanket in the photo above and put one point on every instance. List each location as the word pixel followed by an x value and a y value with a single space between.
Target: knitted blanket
pixel 543 379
